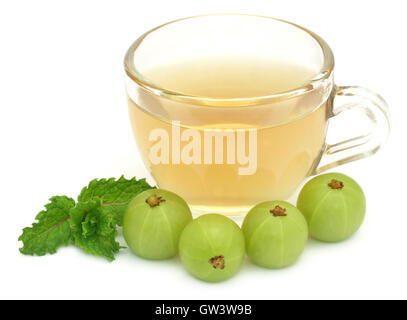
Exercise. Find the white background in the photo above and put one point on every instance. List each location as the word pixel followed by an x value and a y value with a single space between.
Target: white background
pixel 64 122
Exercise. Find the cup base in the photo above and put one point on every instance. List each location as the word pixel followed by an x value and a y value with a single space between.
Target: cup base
pixel 226 211
pixel 237 213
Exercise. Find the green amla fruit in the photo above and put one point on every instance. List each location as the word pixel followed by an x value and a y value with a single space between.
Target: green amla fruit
pixel 276 234
pixel 334 206
pixel 153 222
pixel 212 247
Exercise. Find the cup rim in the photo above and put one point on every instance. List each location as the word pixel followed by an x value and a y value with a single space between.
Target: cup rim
pixel 318 80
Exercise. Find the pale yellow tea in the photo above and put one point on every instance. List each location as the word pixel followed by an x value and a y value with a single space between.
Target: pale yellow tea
pixel 283 140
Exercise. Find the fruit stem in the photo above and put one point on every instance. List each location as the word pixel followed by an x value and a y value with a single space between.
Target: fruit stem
pixel 335 184
pixel 279 211
pixel 154 201
pixel 218 262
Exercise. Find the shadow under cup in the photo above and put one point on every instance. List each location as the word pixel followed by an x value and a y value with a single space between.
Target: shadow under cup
pixel 232 110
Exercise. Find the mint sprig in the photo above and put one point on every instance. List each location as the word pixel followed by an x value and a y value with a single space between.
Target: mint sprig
pixel 90 224
pixel 94 229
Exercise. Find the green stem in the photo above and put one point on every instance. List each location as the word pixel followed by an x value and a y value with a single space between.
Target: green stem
pixel 113 204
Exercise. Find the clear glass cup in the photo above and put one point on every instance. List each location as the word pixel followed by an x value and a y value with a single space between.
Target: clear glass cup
pixel 210 126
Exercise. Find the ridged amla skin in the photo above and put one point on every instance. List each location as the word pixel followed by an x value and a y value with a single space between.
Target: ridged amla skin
pixel 153 222
pixel 276 234
pixel 212 247
pixel 334 206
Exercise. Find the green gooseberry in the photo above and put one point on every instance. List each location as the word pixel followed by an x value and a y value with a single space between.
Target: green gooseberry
pixel 276 234
pixel 153 222
pixel 334 206
pixel 212 247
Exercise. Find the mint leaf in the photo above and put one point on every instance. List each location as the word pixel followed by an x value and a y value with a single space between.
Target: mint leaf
pixel 94 229
pixel 116 211
pixel 112 190
pixel 52 229
pixel 90 224
pixel 113 194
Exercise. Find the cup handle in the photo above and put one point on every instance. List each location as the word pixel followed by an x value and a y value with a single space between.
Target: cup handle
pixel 375 108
